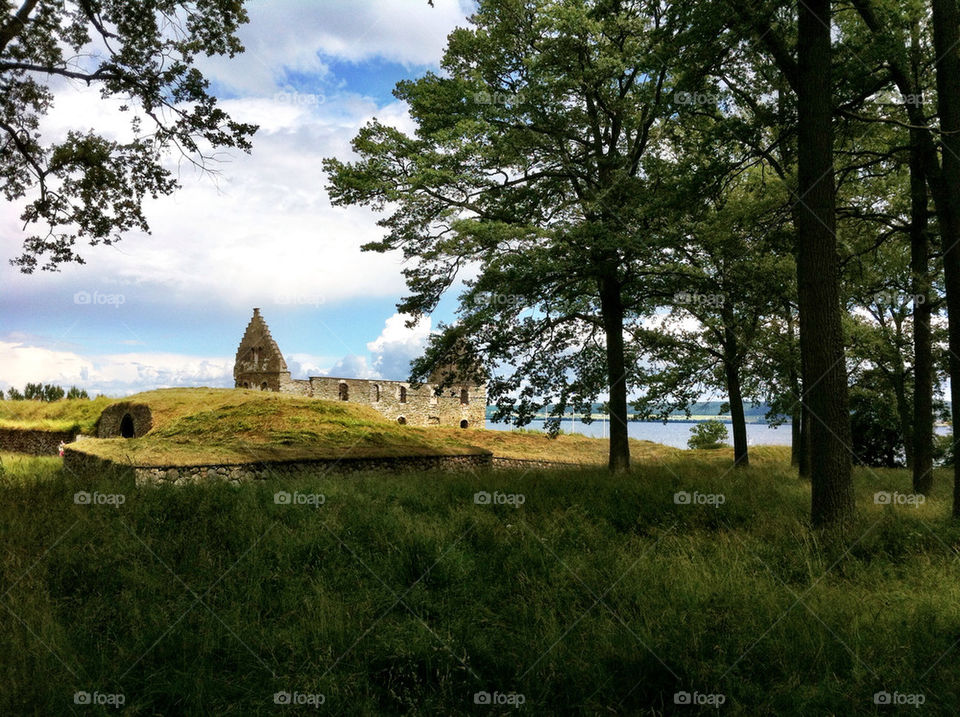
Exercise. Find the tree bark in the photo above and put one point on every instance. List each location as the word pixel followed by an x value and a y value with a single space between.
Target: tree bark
pixel 946 36
pixel 731 367
pixel 741 457
pixel 611 307
pixel 821 333
pixel 922 346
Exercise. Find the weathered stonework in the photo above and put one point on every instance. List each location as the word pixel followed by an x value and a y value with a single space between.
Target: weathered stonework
pixel 34 442
pixel 260 365
pixel 124 420
pixel 84 464
pixel 514 464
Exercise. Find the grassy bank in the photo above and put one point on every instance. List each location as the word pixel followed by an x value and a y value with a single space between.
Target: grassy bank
pixel 79 414
pixel 401 595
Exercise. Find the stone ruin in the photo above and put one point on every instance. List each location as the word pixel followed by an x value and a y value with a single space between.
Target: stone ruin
pixel 124 420
pixel 259 365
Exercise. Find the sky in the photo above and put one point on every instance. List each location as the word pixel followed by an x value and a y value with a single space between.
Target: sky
pixel 169 309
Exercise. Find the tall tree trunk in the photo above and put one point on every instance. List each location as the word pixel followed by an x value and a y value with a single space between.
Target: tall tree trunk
pixel 821 332
pixel 922 347
pixel 946 37
pixel 611 307
pixel 796 413
pixel 803 460
pixel 904 410
pixel 740 456
pixel 731 368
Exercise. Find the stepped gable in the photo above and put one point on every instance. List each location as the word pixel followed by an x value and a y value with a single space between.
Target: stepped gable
pixel 259 362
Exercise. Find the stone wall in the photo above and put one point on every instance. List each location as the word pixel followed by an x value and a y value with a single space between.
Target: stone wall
pixel 34 442
pixel 512 464
pixel 127 420
pixel 398 400
pixel 85 464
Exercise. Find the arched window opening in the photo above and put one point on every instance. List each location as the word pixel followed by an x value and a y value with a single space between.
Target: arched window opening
pixel 402 421
pixel 344 392
pixel 464 397
pixel 376 393
pixel 403 394
pixel 263 386
pixel 464 423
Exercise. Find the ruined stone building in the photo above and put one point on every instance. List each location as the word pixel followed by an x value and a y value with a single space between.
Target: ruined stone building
pixel 260 365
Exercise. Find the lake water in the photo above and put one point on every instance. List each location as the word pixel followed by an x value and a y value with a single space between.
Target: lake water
pixel 674 433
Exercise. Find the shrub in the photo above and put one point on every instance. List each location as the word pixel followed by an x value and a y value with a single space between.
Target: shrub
pixel 709 435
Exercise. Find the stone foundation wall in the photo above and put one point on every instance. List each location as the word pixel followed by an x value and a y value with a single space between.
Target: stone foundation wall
pixel 34 442
pixel 511 464
pixel 85 464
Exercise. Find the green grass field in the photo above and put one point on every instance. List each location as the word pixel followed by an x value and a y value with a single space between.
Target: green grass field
pixel 402 595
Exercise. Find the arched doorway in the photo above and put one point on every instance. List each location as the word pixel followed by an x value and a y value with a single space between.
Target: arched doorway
pixel 402 421
pixel 464 423
pixel 126 426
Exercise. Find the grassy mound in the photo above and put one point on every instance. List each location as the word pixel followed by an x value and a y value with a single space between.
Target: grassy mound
pixel 198 426
pixel 401 595
pixel 67 414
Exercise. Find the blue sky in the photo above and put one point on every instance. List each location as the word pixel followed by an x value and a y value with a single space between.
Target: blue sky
pixel 169 309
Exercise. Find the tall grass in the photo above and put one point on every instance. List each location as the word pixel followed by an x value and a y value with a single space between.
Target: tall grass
pixel 402 595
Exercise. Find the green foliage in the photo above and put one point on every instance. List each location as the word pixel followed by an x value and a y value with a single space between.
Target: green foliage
pixel 85 186
pixel 875 425
pixel 45 392
pixel 708 435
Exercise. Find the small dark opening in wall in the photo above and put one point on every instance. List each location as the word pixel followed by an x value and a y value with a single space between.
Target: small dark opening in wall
pixel 344 392
pixel 464 397
pixel 402 421
pixel 403 394
pixel 126 426
pixel 263 386
pixel 464 423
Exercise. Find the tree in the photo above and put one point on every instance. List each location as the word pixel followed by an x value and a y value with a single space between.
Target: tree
pixel 528 168
pixel 84 186
pixel 729 275
pixel 77 393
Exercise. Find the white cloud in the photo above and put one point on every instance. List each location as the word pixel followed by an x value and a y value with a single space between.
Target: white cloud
pixel 397 345
pixel 112 374
pixel 295 35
